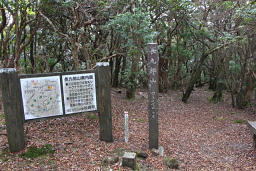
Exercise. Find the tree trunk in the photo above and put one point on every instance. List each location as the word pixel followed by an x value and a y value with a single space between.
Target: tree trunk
pixel 199 81
pixel 241 100
pixel 190 86
pixel 197 73
pixel 217 97
pixel 163 75
pixel 25 61
pixel 31 56
pixel 123 70
pixel 233 99
pixel 212 82
pixel 244 96
pixel 131 86
pixel 212 69
pixel 111 64
pixel 75 54
pixel 249 87
pixel 116 72
pixel 130 92
pixel 194 77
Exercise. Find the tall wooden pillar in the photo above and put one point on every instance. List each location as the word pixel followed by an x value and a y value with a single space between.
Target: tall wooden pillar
pixel 153 60
pixel 104 101
pixel 13 109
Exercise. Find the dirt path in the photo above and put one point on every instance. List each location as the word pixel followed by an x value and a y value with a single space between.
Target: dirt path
pixel 199 135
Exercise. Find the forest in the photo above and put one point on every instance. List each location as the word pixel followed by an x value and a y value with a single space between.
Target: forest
pixel 207 80
pixel 201 42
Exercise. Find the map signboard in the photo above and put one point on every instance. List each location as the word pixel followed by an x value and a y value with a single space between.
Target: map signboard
pixel 79 93
pixel 41 97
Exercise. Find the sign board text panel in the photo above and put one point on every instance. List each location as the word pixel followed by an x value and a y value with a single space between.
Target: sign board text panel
pixel 79 93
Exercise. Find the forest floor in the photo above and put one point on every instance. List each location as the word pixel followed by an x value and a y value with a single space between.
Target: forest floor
pixel 199 135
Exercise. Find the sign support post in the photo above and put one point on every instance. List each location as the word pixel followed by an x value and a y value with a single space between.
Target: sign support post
pixel 13 109
pixel 104 101
pixel 153 60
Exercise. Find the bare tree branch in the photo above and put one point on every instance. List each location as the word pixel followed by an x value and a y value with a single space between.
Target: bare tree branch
pixel 52 25
pixel 109 57
pixel 106 58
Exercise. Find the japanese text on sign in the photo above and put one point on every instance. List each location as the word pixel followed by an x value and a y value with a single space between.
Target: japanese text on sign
pixel 79 93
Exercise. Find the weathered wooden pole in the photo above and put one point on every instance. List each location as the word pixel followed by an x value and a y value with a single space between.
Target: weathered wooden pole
pixel 104 101
pixel 153 60
pixel 13 109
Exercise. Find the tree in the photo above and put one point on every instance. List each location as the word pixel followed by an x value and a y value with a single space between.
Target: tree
pixel 14 37
pixel 82 22
pixel 134 28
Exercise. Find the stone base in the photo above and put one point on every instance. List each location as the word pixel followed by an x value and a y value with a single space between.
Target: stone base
pixel 129 160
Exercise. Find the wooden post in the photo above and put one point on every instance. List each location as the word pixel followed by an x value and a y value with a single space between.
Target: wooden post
pixel 153 60
pixel 13 109
pixel 104 101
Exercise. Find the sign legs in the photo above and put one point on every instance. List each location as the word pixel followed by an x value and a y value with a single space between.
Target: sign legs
pixel 13 109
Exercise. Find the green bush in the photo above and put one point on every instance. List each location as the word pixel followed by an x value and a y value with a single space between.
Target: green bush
pixel 2 116
pixel 240 121
pixel 34 152
pixel 142 120
pixel 92 116
pixel 5 155
pixel 171 163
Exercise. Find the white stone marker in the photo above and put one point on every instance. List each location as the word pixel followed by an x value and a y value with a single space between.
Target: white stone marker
pixel 129 160
pixel 126 127
pixel 161 150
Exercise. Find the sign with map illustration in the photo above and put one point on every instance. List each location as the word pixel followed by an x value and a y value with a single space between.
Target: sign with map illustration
pixel 79 93
pixel 41 97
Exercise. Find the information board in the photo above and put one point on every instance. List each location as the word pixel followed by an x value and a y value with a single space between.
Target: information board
pixel 41 97
pixel 79 93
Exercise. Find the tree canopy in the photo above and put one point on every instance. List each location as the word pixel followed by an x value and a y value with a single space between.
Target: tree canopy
pixel 201 42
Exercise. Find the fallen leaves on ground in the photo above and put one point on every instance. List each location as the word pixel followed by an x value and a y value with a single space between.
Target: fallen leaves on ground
pixel 200 135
